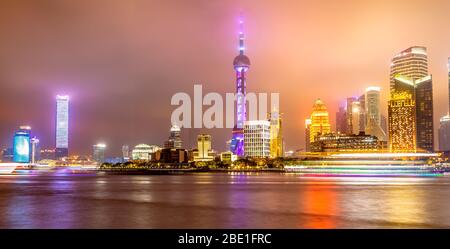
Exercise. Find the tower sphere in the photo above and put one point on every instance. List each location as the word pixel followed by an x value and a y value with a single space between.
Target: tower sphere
pixel 241 61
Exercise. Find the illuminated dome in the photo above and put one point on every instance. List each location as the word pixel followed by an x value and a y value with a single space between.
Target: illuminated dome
pixel 241 61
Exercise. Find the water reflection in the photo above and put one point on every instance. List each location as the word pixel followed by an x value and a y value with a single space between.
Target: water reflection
pixel 222 201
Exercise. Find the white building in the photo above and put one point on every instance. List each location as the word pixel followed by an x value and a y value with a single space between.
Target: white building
pixel 144 151
pixel 373 113
pixel 62 126
pixel 257 138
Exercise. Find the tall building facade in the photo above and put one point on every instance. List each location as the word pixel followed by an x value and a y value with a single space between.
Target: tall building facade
pixel 276 134
pixel 373 113
pixel 308 135
pixel 62 126
pixel 402 119
pixel 320 123
pixel 257 138
pixel 349 114
pixel 204 148
pixel 444 124
pixel 35 150
pixel 357 117
pixel 174 141
pixel 444 133
pixel 241 64
pixel 409 73
pixel 99 153
pixel 341 120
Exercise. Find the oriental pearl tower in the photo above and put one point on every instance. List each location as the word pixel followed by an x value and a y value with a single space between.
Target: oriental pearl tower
pixel 241 64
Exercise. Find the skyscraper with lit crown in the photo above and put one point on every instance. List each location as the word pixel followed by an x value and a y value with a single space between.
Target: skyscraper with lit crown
pixel 241 64
pixel 320 123
pixel 62 126
pixel 409 73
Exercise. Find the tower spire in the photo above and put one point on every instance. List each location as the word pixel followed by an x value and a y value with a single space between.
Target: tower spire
pixel 241 35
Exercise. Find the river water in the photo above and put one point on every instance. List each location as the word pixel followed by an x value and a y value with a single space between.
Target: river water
pixel 62 199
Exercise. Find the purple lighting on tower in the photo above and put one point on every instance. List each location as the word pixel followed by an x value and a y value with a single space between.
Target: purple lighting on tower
pixel 241 64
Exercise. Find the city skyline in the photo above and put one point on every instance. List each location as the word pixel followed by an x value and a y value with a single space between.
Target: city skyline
pixel 102 96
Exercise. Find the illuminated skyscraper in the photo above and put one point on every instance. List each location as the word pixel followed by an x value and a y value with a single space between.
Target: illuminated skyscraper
pixel 357 113
pixel 349 115
pixel 444 133
pixel 62 126
pixel 402 120
pixel 276 134
pixel 21 145
pixel 241 64
pixel 409 72
pixel 411 62
pixel 257 138
pixel 373 113
pixel 174 141
pixel 320 123
pixel 308 135
pixel 204 149
pixel 35 150
pixel 99 153
pixel 341 120
pixel 373 104
pixel 444 128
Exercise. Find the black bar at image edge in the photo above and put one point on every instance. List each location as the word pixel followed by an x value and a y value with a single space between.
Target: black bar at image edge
pixel 225 238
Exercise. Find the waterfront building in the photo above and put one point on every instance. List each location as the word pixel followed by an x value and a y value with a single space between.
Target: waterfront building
pixel 125 152
pixel 320 123
pixel 409 72
pixel 99 152
pixel 144 152
pixel 22 145
pixel 204 151
pixel 35 150
pixel 168 155
pixel 337 142
pixel 257 138
pixel 241 64
pixel 228 157
pixel 174 141
pixel 402 120
pixel 341 120
pixel 62 126
pixel 48 154
pixel 276 134
pixel 7 155
pixel 307 134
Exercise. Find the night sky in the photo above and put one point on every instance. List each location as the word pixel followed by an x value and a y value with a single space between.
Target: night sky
pixel 121 61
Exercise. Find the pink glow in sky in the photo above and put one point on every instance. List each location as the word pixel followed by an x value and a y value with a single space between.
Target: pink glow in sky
pixel 121 61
